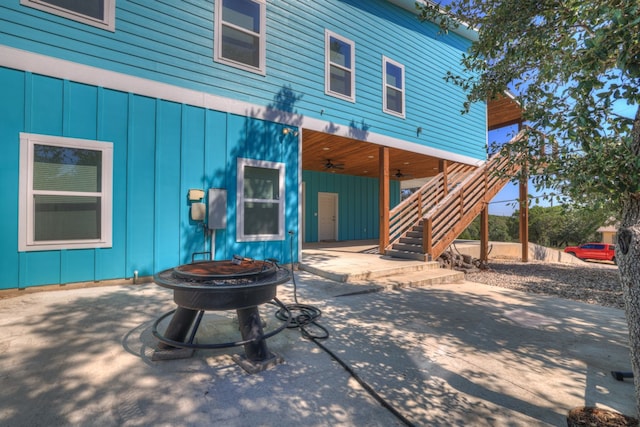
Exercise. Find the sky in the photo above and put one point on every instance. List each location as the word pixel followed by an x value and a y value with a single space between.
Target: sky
pixel 505 202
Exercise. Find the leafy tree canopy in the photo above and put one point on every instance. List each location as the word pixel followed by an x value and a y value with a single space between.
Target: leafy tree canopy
pixel 572 64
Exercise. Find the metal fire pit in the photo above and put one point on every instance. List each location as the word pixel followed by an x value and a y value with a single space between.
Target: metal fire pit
pixel 240 284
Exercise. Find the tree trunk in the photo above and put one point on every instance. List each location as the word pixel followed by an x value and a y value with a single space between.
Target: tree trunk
pixel 629 240
pixel 628 259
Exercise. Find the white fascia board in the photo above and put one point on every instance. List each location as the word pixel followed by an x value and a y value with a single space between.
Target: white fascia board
pixel 463 29
pixel 59 68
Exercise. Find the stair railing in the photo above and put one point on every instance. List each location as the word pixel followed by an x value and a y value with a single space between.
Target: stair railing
pixel 411 210
pixel 454 213
pixel 446 214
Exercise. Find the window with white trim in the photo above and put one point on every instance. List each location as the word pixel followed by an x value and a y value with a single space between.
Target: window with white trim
pixel 65 193
pixel 340 67
pixel 99 13
pixel 393 87
pixel 240 34
pixel 260 200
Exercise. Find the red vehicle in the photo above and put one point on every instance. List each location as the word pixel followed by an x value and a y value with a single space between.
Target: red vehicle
pixel 599 251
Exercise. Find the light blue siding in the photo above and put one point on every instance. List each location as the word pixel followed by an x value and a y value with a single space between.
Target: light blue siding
pixel 140 172
pixel 192 176
pixel 161 150
pixel 173 43
pixel 45 105
pixel 113 117
pixel 12 117
pixel 81 120
pixel 77 265
pixel 357 204
pixel 216 165
pixel 168 189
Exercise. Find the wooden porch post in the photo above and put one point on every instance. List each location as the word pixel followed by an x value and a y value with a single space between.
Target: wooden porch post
pixel 484 234
pixel 524 210
pixel 445 181
pixel 524 218
pixel 383 197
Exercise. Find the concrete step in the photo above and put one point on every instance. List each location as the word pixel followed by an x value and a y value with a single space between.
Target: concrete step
pixel 394 253
pixel 415 241
pixel 406 247
pixel 409 280
pixel 350 268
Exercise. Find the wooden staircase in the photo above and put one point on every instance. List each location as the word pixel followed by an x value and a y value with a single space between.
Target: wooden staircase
pixel 427 222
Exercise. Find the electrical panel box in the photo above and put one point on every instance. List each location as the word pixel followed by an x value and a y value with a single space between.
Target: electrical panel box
pixel 198 211
pixel 195 195
pixel 217 209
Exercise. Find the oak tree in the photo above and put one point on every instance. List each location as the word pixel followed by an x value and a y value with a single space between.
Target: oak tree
pixel 574 66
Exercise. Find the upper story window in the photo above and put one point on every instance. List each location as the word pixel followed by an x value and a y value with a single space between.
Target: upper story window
pixel 393 87
pixel 240 34
pixel 65 197
pixel 260 200
pixel 99 13
pixel 340 67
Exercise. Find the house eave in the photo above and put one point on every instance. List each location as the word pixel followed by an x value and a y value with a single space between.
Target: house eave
pixel 463 29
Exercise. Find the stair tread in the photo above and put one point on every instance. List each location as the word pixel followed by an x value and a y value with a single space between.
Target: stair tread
pixel 346 274
pixel 472 182
pixel 409 280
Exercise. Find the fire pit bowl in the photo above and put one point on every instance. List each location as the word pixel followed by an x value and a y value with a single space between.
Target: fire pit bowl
pixel 240 284
pixel 223 285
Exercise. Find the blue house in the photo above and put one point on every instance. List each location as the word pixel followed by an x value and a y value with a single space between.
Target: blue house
pixel 140 135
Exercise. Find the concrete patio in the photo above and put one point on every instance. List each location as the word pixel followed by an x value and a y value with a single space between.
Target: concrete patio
pixel 441 354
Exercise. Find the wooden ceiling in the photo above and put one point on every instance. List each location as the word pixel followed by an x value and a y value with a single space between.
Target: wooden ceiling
pixel 503 111
pixel 359 158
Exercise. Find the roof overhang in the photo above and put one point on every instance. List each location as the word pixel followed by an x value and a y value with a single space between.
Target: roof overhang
pixel 463 29
pixel 503 110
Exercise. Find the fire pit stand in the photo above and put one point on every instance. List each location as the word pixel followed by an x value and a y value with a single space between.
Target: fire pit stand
pixel 240 284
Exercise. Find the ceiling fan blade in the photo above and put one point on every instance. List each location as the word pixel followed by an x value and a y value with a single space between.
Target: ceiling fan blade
pixel 400 175
pixel 329 165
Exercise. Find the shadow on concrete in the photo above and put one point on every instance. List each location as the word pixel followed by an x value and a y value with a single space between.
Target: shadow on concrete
pixel 443 355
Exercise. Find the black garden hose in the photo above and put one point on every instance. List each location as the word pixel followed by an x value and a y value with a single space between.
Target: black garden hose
pixel 303 317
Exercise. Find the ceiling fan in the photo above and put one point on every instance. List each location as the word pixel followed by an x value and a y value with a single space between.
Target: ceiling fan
pixel 400 175
pixel 330 165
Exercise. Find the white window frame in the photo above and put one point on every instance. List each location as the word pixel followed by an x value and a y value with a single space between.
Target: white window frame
pixel 385 86
pixel 240 200
pixel 26 240
pixel 108 23
pixel 328 35
pixel 219 23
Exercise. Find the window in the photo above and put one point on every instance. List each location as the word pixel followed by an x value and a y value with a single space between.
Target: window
pixel 240 34
pixel 339 67
pixel 99 13
pixel 65 193
pixel 393 87
pixel 260 200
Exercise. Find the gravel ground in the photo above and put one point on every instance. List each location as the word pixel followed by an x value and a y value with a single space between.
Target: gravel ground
pixel 590 282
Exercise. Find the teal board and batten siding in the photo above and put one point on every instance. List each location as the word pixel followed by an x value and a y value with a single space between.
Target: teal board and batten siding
pixel 172 42
pixel 161 149
pixel 358 210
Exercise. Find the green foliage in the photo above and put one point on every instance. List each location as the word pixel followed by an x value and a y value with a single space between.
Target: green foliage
pixel 555 226
pixel 570 64
pixel 499 227
pixel 559 226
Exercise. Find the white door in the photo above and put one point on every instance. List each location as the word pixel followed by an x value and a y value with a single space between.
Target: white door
pixel 327 216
